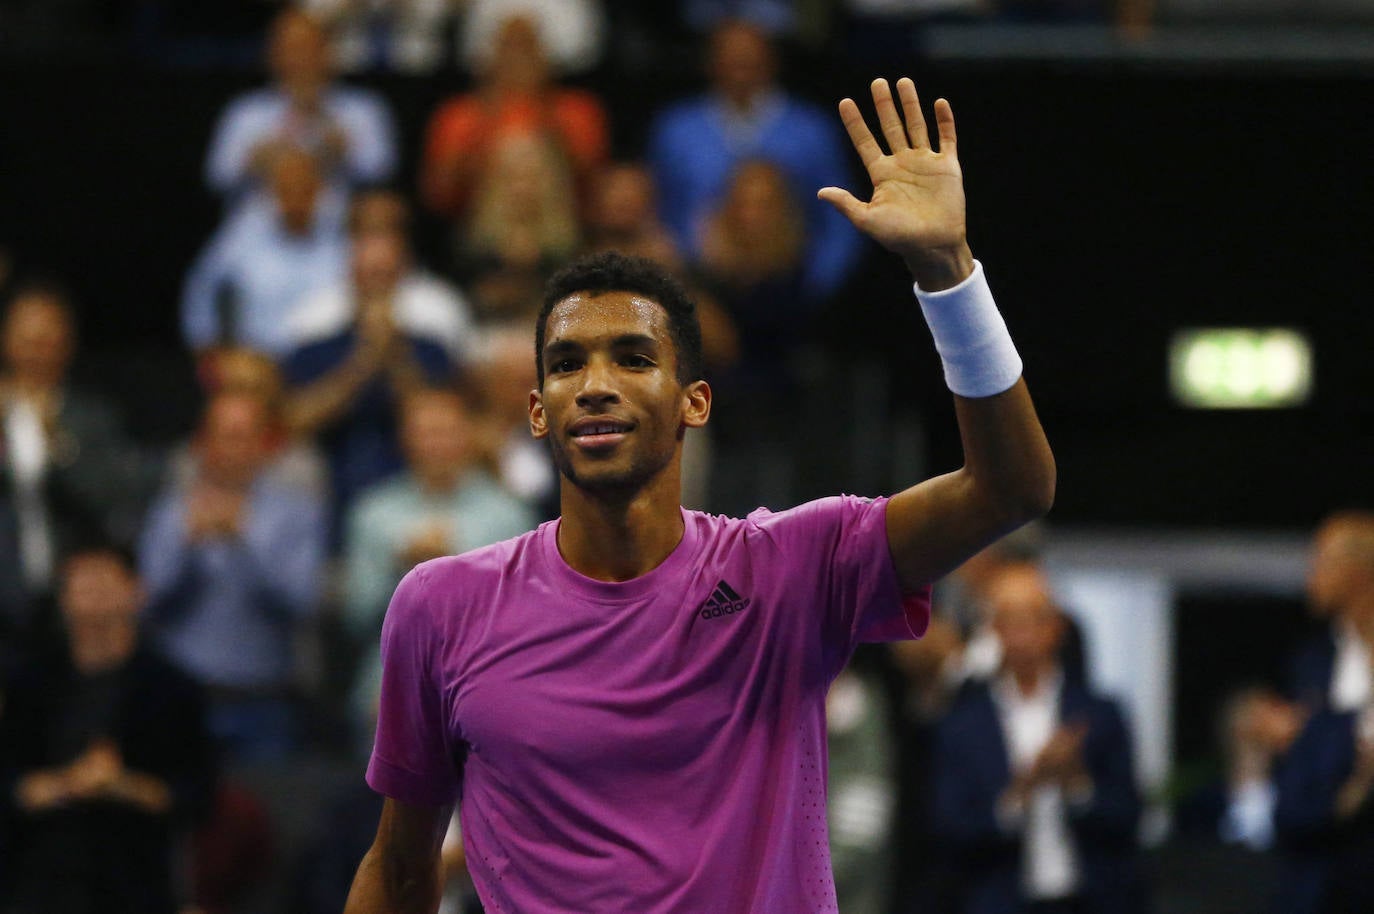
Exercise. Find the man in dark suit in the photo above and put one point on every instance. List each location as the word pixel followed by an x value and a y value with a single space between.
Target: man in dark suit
pixel 1035 792
pixel 1325 810
pixel 102 758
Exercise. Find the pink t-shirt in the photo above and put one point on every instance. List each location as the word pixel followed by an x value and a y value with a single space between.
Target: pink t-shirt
pixel 644 747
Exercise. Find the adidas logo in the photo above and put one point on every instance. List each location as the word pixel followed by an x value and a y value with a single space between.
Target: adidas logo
pixel 723 601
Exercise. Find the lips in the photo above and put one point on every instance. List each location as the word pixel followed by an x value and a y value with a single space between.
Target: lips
pixel 598 432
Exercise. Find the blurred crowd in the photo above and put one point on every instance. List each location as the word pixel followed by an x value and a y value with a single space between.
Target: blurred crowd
pixel 186 631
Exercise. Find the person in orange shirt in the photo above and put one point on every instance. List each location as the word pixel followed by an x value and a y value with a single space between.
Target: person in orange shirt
pixel 516 94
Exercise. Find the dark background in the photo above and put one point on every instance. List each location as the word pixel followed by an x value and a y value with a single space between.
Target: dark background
pixel 1112 203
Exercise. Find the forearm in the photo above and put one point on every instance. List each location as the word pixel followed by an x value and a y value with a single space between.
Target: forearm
pixel 316 405
pixel 1006 455
pixel 147 792
pixel 384 885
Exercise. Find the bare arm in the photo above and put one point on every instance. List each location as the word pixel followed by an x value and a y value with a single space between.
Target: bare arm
pixel 917 211
pixel 402 872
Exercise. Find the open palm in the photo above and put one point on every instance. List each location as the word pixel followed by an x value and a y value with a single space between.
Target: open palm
pixel 917 207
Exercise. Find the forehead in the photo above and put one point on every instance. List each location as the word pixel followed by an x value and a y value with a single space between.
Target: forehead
pixel 590 320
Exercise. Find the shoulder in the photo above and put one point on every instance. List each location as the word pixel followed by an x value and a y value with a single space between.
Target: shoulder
pixel 431 308
pixel 254 103
pixel 456 109
pixel 480 570
pixel 682 114
pixel 824 516
pixel 321 314
pixel 153 668
pixel 382 498
pixel 579 101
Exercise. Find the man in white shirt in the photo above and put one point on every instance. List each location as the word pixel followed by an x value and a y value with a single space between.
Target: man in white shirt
pixel 1035 794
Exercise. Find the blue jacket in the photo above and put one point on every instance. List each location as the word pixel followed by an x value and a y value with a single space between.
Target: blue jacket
pixel 1326 862
pixel 973 768
pixel 1310 669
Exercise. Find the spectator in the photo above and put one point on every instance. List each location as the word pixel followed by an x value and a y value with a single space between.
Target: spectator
pixel 233 566
pixel 504 377
pixel 572 31
pixel 264 258
pixel 361 345
pixel 1331 669
pixel 405 36
pixel 523 224
pixel 775 17
pixel 751 261
pixel 964 595
pixel 66 469
pixel 105 759
pixel 697 145
pixel 515 96
pixel 1223 835
pixel 293 461
pixel 1325 810
pixel 348 130
pixel 622 215
pixel 443 504
pixel 1035 794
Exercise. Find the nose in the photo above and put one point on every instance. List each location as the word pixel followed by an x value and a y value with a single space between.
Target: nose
pixel 598 385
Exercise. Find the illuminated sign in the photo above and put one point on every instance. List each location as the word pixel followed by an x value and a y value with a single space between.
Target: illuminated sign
pixel 1240 368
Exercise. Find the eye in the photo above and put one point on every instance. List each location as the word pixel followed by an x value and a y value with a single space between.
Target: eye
pixel 638 360
pixel 563 365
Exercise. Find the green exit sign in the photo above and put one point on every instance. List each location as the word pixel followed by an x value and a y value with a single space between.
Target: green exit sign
pixel 1240 368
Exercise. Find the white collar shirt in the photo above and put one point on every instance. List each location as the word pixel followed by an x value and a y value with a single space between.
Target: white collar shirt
pixel 1050 867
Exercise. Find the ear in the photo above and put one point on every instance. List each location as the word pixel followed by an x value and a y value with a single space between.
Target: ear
pixel 697 401
pixel 539 423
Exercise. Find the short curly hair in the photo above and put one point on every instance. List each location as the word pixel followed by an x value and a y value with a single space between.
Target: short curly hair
pixel 612 271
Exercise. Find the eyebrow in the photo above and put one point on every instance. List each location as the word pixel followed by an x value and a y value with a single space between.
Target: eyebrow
pixel 623 341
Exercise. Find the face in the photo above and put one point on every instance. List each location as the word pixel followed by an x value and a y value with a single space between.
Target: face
pixel 233 439
pixel 379 261
pixel 624 199
pixel 100 601
pixel 379 213
pixel 1027 622
pixel 611 406
pixel 435 433
pixel 758 196
pixel 741 61
pixel 38 339
pixel 299 50
pixel 518 62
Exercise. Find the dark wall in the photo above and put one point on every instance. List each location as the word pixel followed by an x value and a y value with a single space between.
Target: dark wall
pixel 1110 206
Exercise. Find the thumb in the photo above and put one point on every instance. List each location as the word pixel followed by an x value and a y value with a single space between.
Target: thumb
pixel 843 201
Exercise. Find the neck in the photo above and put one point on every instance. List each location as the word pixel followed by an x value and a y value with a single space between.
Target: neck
pixel 439 482
pixel 1029 679
pixel 610 538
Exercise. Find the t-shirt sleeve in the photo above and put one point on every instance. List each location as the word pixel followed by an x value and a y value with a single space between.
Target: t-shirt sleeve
pixel 411 759
pixel 845 538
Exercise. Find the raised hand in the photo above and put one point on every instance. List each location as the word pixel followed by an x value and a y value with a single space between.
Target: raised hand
pixel 917 207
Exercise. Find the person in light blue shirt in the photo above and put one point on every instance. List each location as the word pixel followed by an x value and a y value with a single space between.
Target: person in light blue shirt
pixel 266 257
pixel 696 145
pixel 443 504
pixel 351 130
pixel 233 565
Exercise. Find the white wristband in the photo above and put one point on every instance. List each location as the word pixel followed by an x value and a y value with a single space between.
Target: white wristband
pixel 971 337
